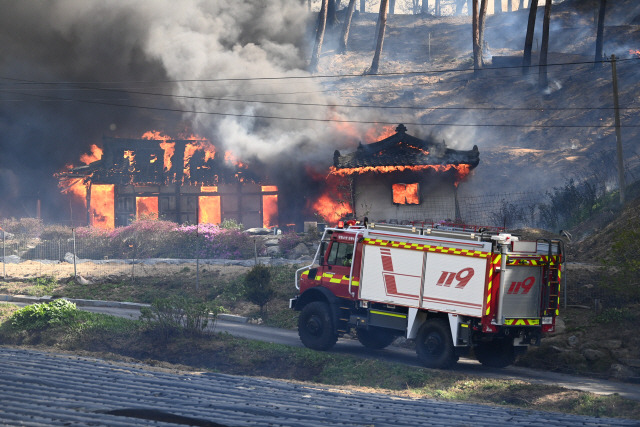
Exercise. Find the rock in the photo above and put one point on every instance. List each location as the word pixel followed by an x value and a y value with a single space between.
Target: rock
pixel 610 344
pixel 634 363
pixel 556 349
pixel 68 257
pixel 258 231
pixel 592 355
pixel 560 326
pixel 82 281
pixel 305 258
pixel 12 259
pixel 271 242
pixel 273 251
pixel 621 372
pixel 572 341
pixel 299 251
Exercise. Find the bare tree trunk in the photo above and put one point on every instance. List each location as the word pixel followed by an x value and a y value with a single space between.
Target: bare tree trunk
pixel 510 6
pixel 392 7
pixel 332 20
pixel 528 41
pixel 425 6
pixel 382 19
pixel 497 7
pixel 346 27
pixel 437 10
pixel 600 34
pixel 317 48
pixel 478 19
pixel 521 5
pixel 363 3
pixel 543 80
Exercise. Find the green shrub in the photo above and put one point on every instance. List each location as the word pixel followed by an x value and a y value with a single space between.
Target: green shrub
pixel 231 224
pixel 42 315
pixel 289 241
pixel 23 227
pixel 56 232
pixel 180 315
pixel 42 286
pixel 257 285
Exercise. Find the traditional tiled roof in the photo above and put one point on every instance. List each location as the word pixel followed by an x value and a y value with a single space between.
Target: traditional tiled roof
pixel 402 149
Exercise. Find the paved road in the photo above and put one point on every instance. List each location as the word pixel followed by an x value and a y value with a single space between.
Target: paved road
pixel 392 354
pixel 38 389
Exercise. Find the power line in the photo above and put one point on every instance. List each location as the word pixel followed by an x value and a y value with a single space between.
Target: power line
pixel 334 120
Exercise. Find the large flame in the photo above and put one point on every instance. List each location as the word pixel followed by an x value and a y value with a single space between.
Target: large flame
pixel 406 194
pixel 102 212
pixel 461 170
pixel 209 209
pixel 330 208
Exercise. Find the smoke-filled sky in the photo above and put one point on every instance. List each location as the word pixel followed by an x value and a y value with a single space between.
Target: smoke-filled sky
pixel 69 67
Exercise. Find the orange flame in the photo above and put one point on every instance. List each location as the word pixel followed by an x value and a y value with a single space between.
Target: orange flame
pixel 209 210
pixel 634 52
pixel 96 154
pixel 406 194
pixel 102 211
pixel 461 170
pixel 269 210
pixel 375 134
pixel 330 209
pixel 147 208
pixel 169 149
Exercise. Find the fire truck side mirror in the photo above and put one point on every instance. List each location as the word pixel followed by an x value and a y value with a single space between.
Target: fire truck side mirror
pixel 323 249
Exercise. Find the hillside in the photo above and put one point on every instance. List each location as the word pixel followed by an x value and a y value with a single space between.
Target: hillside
pixel 530 139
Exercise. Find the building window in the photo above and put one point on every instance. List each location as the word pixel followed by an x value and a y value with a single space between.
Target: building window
pixel 406 194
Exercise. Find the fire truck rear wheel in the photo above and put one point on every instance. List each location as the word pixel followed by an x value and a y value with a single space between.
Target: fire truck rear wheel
pixel 315 326
pixel 498 353
pixel 434 345
pixel 375 338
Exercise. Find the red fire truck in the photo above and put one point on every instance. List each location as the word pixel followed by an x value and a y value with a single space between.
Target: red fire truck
pixel 452 289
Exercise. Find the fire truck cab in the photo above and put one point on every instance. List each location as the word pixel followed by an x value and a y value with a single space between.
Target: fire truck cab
pixel 453 289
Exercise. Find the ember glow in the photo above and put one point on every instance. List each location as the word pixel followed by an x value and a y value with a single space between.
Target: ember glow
pixel 634 52
pixel 102 212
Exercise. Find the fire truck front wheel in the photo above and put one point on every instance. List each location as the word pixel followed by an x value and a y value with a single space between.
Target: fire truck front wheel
pixel 315 326
pixel 434 345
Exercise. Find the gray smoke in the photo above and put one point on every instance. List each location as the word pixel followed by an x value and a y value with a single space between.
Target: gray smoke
pixel 68 66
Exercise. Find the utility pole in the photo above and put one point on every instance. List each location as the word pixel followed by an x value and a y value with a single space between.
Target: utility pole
pixel 616 107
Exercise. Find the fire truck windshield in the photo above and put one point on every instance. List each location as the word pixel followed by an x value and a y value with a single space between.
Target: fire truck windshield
pixel 340 254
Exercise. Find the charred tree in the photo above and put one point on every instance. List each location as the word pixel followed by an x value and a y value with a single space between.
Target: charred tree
pixel 382 23
pixel 478 20
pixel 437 8
pixel 346 27
pixel 543 80
pixel 317 47
pixel 528 41
pixel 510 6
pixel 600 35
pixel 332 19
pixel 497 7
pixel 392 7
pixel 363 3
pixel 521 5
pixel 425 6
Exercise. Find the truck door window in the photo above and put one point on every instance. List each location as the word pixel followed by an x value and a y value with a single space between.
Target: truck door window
pixel 340 254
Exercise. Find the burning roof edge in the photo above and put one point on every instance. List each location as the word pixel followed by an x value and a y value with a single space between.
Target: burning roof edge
pixel 402 149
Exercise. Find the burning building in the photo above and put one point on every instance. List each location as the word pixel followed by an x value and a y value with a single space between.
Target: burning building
pixel 400 177
pixel 185 181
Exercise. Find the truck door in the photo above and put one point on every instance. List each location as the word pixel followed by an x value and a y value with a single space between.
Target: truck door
pixel 336 275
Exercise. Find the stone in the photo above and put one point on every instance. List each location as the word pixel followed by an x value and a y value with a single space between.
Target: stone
pixel 592 355
pixel 610 344
pixel 273 251
pixel 299 251
pixel 634 363
pixel 621 372
pixel 271 242
pixel 572 341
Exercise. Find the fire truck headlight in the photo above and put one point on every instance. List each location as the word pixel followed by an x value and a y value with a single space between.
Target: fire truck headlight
pixel 547 320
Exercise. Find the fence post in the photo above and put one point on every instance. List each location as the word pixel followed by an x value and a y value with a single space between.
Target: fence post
pixel 4 264
pixel 75 271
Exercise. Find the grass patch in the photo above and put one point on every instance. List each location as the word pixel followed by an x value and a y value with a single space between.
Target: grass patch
pixel 117 338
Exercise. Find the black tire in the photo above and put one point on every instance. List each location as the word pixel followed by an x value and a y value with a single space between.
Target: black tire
pixel 316 327
pixel 375 338
pixel 498 353
pixel 434 345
